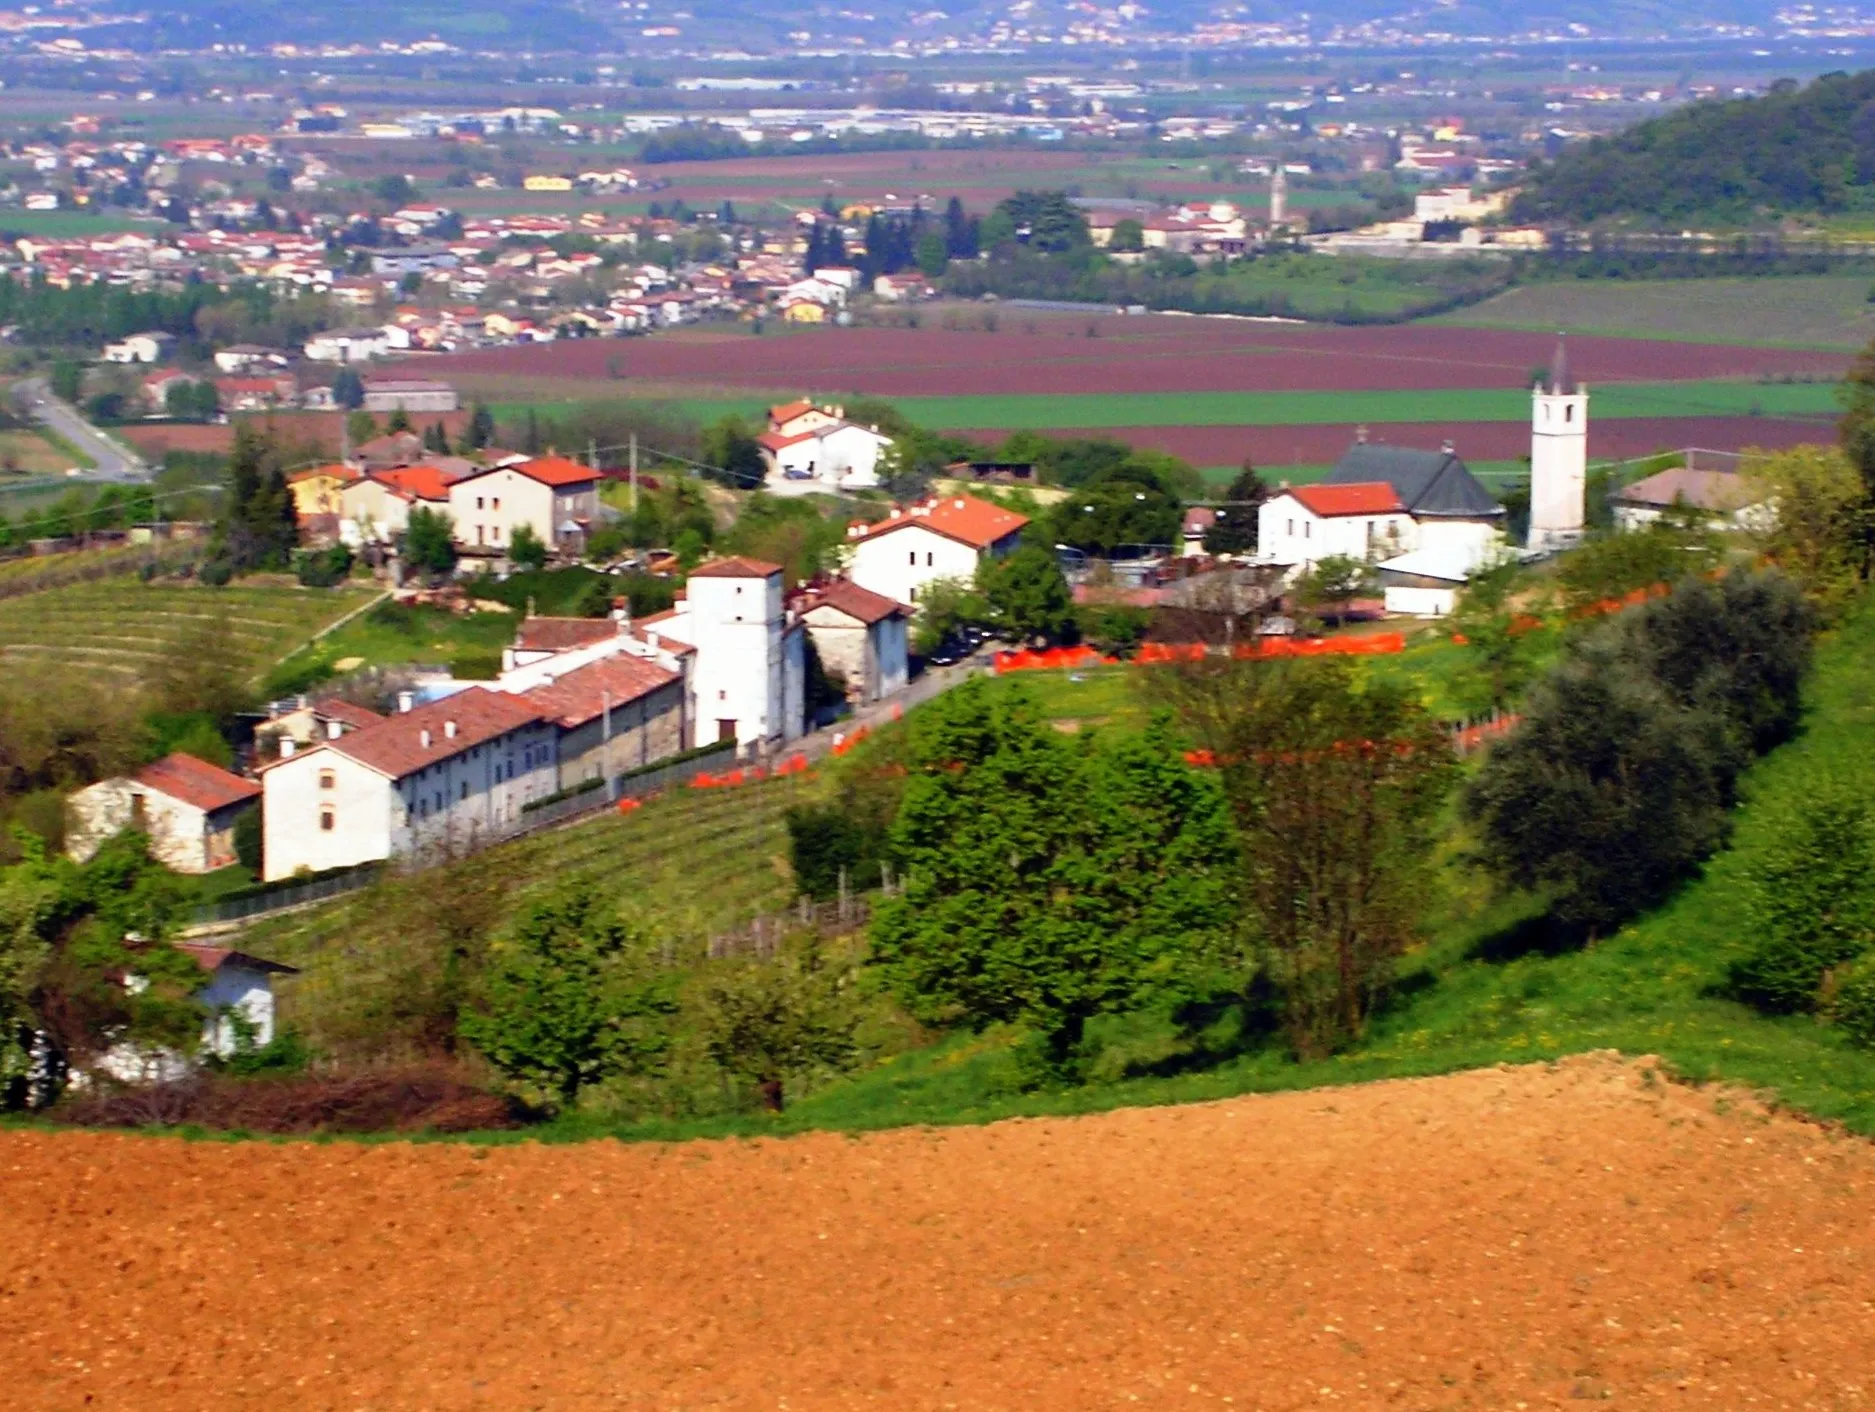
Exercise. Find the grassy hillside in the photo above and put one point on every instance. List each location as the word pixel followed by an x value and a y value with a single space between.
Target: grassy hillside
pixel 124 627
pixel 1470 996
pixel 1794 151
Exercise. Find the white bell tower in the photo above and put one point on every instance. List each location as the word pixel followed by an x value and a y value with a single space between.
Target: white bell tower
pixel 1559 456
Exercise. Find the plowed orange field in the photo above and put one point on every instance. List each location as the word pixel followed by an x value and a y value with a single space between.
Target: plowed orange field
pixel 1502 1239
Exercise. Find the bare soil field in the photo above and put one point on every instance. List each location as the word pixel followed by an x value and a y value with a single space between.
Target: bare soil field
pixel 1142 354
pixel 318 431
pixel 1309 444
pixel 1507 1238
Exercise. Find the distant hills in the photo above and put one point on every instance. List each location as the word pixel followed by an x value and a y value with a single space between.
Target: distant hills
pixel 1795 151
pixel 597 26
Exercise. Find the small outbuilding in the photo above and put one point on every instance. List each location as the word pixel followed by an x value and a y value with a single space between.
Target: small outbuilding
pixel 861 635
pixel 188 807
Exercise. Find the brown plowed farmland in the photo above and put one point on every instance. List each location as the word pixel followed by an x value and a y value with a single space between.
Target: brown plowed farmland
pixel 1311 444
pixel 1145 354
pixel 1508 1238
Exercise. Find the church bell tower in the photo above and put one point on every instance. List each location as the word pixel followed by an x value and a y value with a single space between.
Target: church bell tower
pixel 1559 456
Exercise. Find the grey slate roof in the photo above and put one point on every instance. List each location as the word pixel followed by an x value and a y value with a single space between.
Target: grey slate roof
pixel 1431 484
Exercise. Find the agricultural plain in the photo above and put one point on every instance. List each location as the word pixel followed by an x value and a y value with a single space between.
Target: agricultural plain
pixel 1213 390
pixel 1583 1232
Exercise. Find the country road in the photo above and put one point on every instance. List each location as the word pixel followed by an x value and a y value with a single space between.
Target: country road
pixel 111 461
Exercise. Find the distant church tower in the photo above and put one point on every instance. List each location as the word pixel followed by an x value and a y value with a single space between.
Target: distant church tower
pixel 1559 456
pixel 1279 197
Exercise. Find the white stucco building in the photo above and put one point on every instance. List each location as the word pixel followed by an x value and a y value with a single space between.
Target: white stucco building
pixel 238 996
pixel 861 635
pixel 1299 526
pixel 443 775
pixel 555 497
pixel 748 670
pixel 187 807
pixel 809 445
pixel 1559 457
pixel 943 538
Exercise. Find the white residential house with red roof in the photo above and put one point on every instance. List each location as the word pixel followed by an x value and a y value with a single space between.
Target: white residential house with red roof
pixel 237 994
pixel 442 775
pixel 860 634
pixel 1301 525
pixel 187 807
pixel 943 538
pixel 808 447
pixel 555 497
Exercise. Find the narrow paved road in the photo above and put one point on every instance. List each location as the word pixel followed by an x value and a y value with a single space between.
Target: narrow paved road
pixel 111 462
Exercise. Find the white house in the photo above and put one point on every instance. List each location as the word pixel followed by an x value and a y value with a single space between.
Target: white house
pixel 748 680
pixel 440 776
pixel 239 1000
pixel 1448 506
pixel 844 456
pixel 555 497
pixel 861 635
pixel 348 345
pixel 1299 526
pixel 1727 499
pixel 141 348
pixel 943 538
pixel 186 806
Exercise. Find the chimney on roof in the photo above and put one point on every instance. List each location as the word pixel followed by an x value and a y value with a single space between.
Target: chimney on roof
pixel 449 729
pixel 334 729
pixel 958 503
pixel 423 737
pixel 1448 446
pixel 1360 436
pixel 406 700
pixel 287 746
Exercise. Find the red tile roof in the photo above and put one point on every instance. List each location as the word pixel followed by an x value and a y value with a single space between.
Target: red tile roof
pixel 965 518
pixel 736 567
pixel 424 482
pixel 196 782
pixel 394 747
pixel 1364 497
pixel 346 713
pixel 849 598
pixel 556 471
pixel 788 411
pixel 563 634
pixel 580 695
pixel 775 441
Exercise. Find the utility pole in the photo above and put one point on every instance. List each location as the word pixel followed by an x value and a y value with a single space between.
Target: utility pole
pixel 592 455
pixel 632 474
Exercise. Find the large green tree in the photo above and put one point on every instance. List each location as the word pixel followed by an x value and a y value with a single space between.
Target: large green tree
pixel 1027 595
pixel 1049 880
pixel 564 1003
pixel 1335 784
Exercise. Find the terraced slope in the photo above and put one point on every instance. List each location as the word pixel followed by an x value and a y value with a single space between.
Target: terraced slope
pixel 123 627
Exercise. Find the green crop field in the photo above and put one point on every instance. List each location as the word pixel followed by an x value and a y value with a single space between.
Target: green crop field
pixel 1020 411
pixel 1808 311
pixel 124 627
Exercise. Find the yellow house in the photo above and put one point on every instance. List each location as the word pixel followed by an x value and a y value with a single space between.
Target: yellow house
pixel 316 490
pixel 804 311
pixel 548 183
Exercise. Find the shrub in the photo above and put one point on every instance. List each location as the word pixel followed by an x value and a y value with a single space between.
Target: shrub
pixel 1812 901
pixel 419 1100
pixel 1852 1000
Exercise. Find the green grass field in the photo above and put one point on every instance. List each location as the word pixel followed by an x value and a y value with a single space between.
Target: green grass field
pixel 1020 411
pixel 1808 311
pixel 125 627
pixel 392 635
